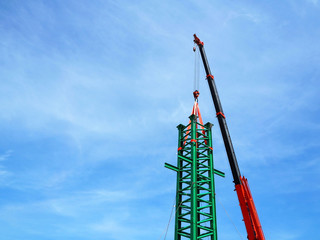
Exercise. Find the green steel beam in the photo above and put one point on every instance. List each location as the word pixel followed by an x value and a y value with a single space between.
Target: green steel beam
pixel 221 174
pixel 169 166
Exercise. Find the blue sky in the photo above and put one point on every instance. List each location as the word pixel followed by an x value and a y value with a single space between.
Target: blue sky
pixel 91 93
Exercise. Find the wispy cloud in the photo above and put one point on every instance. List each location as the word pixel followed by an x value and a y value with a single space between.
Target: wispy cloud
pixel 6 155
pixel 91 95
pixel 4 173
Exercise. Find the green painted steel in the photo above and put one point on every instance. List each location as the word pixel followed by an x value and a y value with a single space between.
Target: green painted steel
pixel 195 217
pixel 167 165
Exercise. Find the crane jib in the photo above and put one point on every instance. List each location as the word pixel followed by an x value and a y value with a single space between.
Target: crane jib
pixel 221 118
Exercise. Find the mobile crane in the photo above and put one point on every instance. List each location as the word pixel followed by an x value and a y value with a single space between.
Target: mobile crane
pixel 248 209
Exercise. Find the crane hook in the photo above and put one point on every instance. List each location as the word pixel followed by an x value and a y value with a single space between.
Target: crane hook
pixel 196 95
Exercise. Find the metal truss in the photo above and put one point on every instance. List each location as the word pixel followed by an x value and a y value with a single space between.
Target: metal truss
pixel 195 198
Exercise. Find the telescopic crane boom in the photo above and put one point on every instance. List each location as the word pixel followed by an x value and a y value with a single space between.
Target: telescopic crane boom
pixel 249 212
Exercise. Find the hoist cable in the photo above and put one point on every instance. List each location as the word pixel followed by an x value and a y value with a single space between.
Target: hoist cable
pixel 198 72
pixel 195 68
pixel 229 217
pixel 165 236
pixel 166 230
pixel 175 212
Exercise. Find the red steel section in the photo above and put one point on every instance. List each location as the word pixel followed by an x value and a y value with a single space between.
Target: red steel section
pixel 197 40
pixel 249 212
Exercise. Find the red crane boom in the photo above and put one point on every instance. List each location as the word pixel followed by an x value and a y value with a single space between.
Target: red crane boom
pixel 248 209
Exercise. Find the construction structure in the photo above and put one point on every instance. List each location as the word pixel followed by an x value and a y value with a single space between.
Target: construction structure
pixel 195 197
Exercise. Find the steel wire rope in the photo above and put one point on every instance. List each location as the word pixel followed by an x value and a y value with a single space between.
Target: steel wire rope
pixel 165 231
pixel 167 228
pixel 229 217
pixel 196 68
pixel 198 76
pixel 165 236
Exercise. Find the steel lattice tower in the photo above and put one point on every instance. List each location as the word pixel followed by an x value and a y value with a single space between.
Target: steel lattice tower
pixel 195 217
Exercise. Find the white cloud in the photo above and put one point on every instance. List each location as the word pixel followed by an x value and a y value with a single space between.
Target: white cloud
pixel 111 82
pixel 6 155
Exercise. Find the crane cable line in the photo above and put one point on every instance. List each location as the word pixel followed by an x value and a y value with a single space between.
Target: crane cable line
pixel 165 231
pixel 165 236
pixel 229 217
pixel 171 215
pixel 196 68
pixel 175 212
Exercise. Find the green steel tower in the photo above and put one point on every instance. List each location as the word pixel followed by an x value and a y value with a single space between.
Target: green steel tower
pixel 195 217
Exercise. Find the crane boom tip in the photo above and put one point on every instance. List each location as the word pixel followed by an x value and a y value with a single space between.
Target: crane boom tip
pixel 197 40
